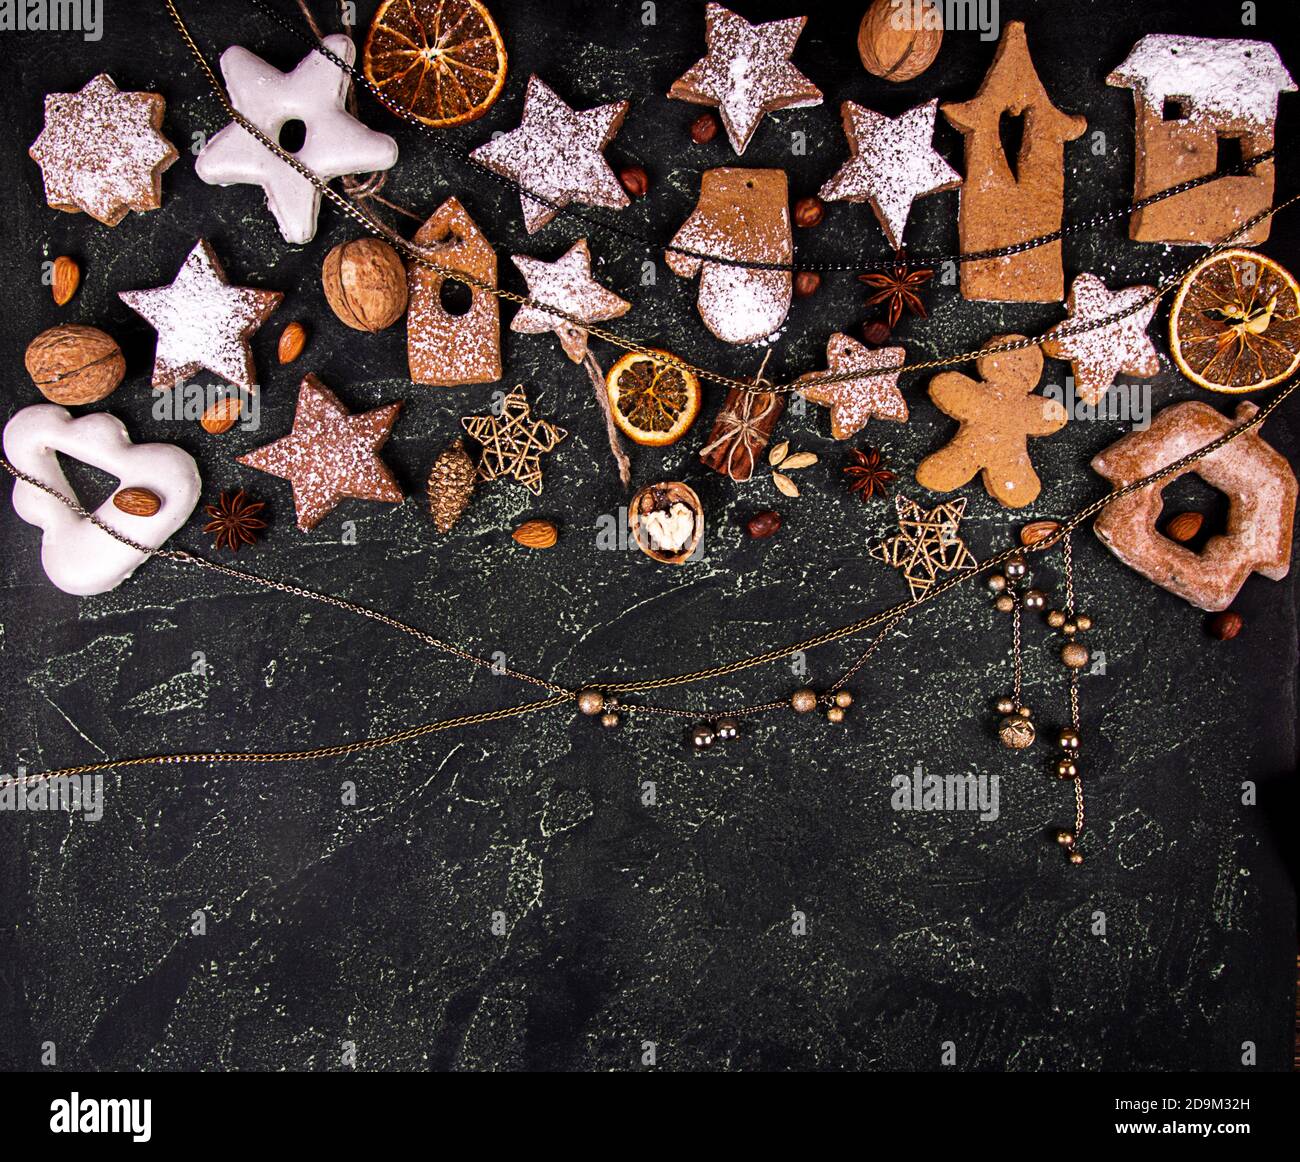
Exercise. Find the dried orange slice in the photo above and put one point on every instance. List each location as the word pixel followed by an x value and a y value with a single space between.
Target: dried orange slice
pixel 653 402
pixel 443 61
pixel 1235 323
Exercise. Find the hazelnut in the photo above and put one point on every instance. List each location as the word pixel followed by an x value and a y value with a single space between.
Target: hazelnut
pixel 365 284
pixel 1225 626
pixel 704 128
pixel 808 211
pixel 875 333
pixel 763 524
pixel 806 283
pixel 72 364
pixel 635 180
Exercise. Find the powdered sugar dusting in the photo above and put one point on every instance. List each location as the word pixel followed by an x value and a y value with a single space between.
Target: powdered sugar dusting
pixel 566 284
pixel 855 401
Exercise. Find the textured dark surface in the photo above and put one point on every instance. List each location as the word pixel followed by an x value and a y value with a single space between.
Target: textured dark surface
pixel 623 923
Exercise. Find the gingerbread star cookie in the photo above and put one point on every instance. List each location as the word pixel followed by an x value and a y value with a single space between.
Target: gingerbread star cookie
pixel 855 401
pixel 893 164
pixel 998 413
pixel 203 322
pixel 512 442
pixel 747 72
pixel 330 455
pixel 101 151
pixel 566 284
pixel 557 154
pixel 1098 355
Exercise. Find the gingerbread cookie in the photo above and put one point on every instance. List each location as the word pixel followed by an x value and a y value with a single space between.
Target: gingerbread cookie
pixel 747 72
pixel 893 164
pixel 743 215
pixel 330 454
pixel 1257 480
pixel 567 285
pixel 557 153
pixel 1005 200
pixel 203 322
pixel 855 401
pixel 101 151
pixel 1098 355
pixel 336 143
pixel 1191 93
pixel 997 413
pixel 442 349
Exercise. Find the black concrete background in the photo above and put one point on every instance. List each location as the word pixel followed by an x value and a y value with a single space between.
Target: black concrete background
pixel 623 923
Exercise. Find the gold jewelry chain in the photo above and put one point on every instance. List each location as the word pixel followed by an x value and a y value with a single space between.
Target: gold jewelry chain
pixel 416 254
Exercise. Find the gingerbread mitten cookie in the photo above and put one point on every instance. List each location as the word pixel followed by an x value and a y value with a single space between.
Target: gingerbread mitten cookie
pixel 742 215
pixel 997 412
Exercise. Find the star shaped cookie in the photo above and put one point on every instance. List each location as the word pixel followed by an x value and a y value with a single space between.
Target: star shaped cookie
pixel 855 401
pixel 567 284
pixel 747 72
pixel 330 454
pixel 203 322
pixel 336 143
pixel 1098 355
pixel 101 151
pixel 927 543
pixel 557 154
pixel 893 163
pixel 512 442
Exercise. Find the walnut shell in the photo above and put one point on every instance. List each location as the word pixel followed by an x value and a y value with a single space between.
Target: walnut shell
pixel 889 44
pixel 365 284
pixel 662 498
pixel 72 364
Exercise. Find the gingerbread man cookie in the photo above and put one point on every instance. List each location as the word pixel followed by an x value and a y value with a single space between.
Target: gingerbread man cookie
pixel 997 412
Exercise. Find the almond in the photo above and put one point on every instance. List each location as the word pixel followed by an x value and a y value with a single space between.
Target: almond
pixel 1037 531
pixel 137 501
pixel 292 340
pixel 536 534
pixel 73 365
pixel 67 277
pixel 221 416
pixel 1184 527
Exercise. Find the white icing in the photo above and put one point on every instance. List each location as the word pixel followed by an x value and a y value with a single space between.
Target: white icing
pixel 78 557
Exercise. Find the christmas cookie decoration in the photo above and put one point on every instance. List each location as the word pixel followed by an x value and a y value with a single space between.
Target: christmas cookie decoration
pixel 566 284
pixel 330 454
pixel 1257 480
pixel 1006 200
pixel 203 322
pixel 77 556
pixel 743 215
pixel 926 544
pixel 101 151
pixel 997 413
pixel 512 443
pixel 443 61
pixel 336 143
pixel 451 485
pixel 893 163
pixel 445 349
pixel 654 400
pixel 855 401
pixel 1190 94
pixel 1099 354
pixel 557 153
pixel 747 72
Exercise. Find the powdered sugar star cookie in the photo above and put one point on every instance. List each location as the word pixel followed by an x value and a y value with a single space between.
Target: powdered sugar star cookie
pixel 893 164
pixel 855 401
pixel 101 151
pixel 1097 356
pixel 557 153
pixel 747 72
pixel 567 284
pixel 203 322
pixel 336 143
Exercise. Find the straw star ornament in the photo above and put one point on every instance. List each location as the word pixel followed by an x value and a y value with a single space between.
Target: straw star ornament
pixel 512 442
pixel 927 543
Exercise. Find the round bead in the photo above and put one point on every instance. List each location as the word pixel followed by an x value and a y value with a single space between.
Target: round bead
pixel 997 582
pixel 1070 628
pixel 1084 622
pixel 726 728
pixel 1015 733
pixel 1005 706
pixel 1005 604
pixel 702 736
pixel 1075 655
pixel 1076 857
pixel 1034 599
pixel 843 699
pixel 1015 568
pixel 610 718
pixel 1055 618
pixel 591 702
pixel 1067 768
pixel 803 700
pixel 1069 739
pixel 1065 838
pixel 1024 712
pixel 835 714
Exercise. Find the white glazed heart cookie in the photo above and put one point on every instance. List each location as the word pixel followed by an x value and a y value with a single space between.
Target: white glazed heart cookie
pixel 78 557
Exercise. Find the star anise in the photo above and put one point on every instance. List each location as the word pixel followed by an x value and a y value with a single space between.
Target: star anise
pixel 867 473
pixel 899 289
pixel 234 521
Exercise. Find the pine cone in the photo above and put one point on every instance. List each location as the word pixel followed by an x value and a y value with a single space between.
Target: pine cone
pixel 451 484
